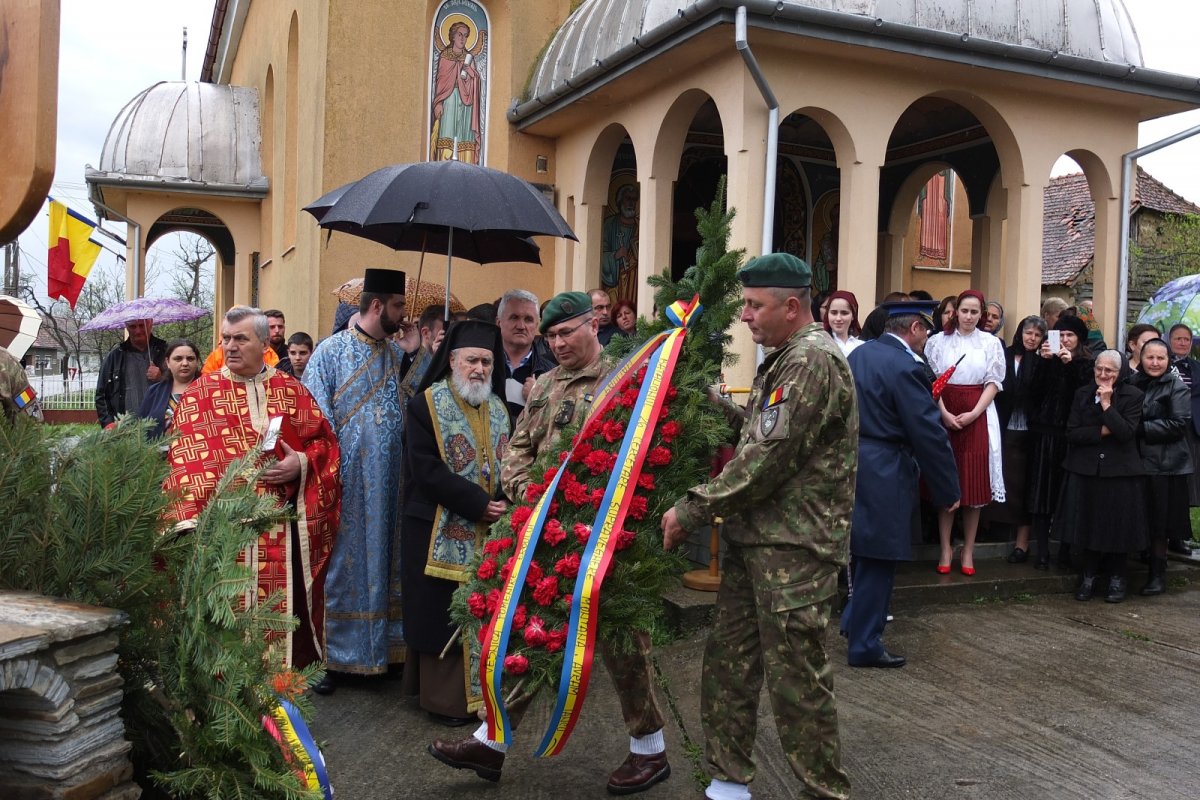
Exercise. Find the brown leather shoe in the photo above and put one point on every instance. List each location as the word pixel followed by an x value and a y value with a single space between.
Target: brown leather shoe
pixel 469 753
pixel 639 773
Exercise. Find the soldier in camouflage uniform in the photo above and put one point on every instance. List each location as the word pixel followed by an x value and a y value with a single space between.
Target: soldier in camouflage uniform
pixel 16 395
pixel 559 398
pixel 787 497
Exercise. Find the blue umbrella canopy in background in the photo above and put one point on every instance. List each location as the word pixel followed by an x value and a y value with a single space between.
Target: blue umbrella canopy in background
pixel 1178 301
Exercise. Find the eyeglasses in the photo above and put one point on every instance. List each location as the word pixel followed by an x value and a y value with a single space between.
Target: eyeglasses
pixel 563 333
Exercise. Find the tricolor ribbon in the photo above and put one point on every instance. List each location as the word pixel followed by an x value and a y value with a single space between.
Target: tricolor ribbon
pixel 660 353
pixel 287 727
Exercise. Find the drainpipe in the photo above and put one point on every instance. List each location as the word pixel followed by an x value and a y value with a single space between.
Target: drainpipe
pixel 743 47
pixel 1126 199
pixel 138 288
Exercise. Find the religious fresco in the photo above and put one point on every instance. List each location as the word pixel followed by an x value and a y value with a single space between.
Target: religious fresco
pixel 459 83
pixel 619 236
pixel 826 214
pixel 791 210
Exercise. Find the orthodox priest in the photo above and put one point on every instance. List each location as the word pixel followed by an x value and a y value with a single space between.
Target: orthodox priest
pixel 355 377
pixel 456 431
pixel 245 408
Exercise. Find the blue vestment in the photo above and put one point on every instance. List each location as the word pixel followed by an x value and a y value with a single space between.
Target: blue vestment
pixel 356 381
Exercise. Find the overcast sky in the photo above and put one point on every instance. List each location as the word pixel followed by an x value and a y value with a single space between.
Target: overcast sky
pixel 111 51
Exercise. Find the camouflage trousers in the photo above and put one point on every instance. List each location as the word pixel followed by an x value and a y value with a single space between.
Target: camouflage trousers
pixel 770 624
pixel 632 676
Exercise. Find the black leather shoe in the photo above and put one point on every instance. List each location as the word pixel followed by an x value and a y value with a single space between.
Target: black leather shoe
pixel 1018 556
pixel 1179 546
pixel 885 661
pixel 1087 587
pixel 469 753
pixel 327 684
pixel 639 773
pixel 1116 589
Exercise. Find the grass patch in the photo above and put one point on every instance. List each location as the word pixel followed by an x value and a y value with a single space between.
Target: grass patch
pixel 1178 582
pixel 1135 636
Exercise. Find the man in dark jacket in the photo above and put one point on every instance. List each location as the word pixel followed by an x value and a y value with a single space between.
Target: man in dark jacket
pixel 901 438
pixel 128 371
pixel 518 319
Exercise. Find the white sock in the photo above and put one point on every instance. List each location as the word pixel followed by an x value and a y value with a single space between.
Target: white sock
pixel 649 745
pixel 727 790
pixel 480 735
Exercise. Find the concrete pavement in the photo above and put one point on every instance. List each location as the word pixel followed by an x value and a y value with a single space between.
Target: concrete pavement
pixel 1001 700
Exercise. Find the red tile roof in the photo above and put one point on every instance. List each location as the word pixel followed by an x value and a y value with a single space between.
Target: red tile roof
pixel 1069 221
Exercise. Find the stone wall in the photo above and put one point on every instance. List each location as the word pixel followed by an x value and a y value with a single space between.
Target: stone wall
pixel 61 734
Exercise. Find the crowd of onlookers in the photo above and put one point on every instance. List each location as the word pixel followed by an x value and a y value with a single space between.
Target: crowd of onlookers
pixel 1055 435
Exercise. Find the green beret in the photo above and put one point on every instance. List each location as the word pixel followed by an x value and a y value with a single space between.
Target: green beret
pixel 565 306
pixel 775 270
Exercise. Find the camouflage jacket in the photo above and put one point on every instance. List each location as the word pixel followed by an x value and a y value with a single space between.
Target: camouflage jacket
pixel 558 398
pixel 14 383
pixel 791 480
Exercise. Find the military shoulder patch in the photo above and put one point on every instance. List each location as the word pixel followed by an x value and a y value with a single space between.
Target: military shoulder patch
pixel 775 397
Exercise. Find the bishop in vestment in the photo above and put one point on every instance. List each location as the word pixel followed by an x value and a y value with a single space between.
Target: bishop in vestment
pixel 355 377
pixel 247 407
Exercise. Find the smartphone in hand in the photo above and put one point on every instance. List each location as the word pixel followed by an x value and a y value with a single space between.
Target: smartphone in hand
pixel 1054 340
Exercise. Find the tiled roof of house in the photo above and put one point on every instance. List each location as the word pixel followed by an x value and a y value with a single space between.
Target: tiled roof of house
pixel 1069 221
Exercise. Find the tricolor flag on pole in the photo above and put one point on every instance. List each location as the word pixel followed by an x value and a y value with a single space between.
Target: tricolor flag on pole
pixel 72 252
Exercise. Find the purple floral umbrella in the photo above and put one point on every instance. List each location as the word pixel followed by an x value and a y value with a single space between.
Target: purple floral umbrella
pixel 160 310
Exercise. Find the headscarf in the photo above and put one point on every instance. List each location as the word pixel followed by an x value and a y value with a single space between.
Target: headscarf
pixel 342 315
pixel 1076 326
pixel 855 328
pixel 952 325
pixel 998 331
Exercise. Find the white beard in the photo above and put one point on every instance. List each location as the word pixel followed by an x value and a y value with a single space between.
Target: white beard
pixel 476 394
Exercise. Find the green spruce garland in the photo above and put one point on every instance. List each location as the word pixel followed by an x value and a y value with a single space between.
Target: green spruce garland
pixel 681 453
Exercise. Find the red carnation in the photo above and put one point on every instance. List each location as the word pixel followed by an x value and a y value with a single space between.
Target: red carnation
pixel 598 462
pixel 533 491
pixel 566 601
pixel 487 569
pixel 582 451
pixel 627 399
pixel 662 415
pixel 516 665
pixel 641 375
pixel 535 632
pixel 658 457
pixel 555 639
pixel 646 481
pixel 553 533
pixel 519 616
pixel 549 475
pixel 568 566
pixel 582 533
pixel 533 574
pixel 495 547
pixel 613 431
pixel 597 497
pixel 477 605
pixel 672 393
pixel 519 518
pixel 669 431
pixel 553 510
pixel 546 591
pixel 507 569
pixel 577 494
pixel 624 539
pixel 637 507
pixel 563 456
pixel 593 428
pixel 493 601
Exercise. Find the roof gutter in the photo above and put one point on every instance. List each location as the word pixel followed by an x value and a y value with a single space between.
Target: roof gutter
pixel 863 31
pixel 1126 201
pixel 255 191
pixel 224 38
pixel 743 47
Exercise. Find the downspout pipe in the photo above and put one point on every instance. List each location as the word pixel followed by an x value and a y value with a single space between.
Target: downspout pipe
pixel 138 288
pixel 1125 202
pixel 743 47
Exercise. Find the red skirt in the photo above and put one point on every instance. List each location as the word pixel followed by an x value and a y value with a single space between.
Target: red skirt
pixel 970 445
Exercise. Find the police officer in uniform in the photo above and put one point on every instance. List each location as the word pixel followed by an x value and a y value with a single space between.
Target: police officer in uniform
pixel 787 497
pixel 558 398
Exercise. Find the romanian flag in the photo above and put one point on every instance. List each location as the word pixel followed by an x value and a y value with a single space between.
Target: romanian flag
pixel 72 252
pixel 25 398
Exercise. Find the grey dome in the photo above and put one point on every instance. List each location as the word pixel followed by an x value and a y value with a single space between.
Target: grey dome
pixel 181 133
pixel 1095 30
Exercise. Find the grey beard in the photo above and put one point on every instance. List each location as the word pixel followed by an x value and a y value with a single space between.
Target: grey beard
pixel 475 394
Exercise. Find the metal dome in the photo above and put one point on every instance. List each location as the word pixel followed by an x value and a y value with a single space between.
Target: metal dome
pixel 1094 30
pixel 177 133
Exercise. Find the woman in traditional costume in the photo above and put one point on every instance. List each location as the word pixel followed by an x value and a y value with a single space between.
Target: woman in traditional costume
pixel 841 321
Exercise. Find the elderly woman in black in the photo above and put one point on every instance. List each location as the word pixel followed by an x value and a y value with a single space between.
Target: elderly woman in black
pixel 1166 455
pixel 1059 374
pixel 1012 404
pixel 1103 508
pixel 1181 340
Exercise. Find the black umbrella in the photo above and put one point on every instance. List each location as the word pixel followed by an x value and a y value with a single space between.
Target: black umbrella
pixel 444 207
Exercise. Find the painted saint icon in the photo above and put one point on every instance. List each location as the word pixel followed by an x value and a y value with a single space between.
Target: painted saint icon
pixel 459 78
